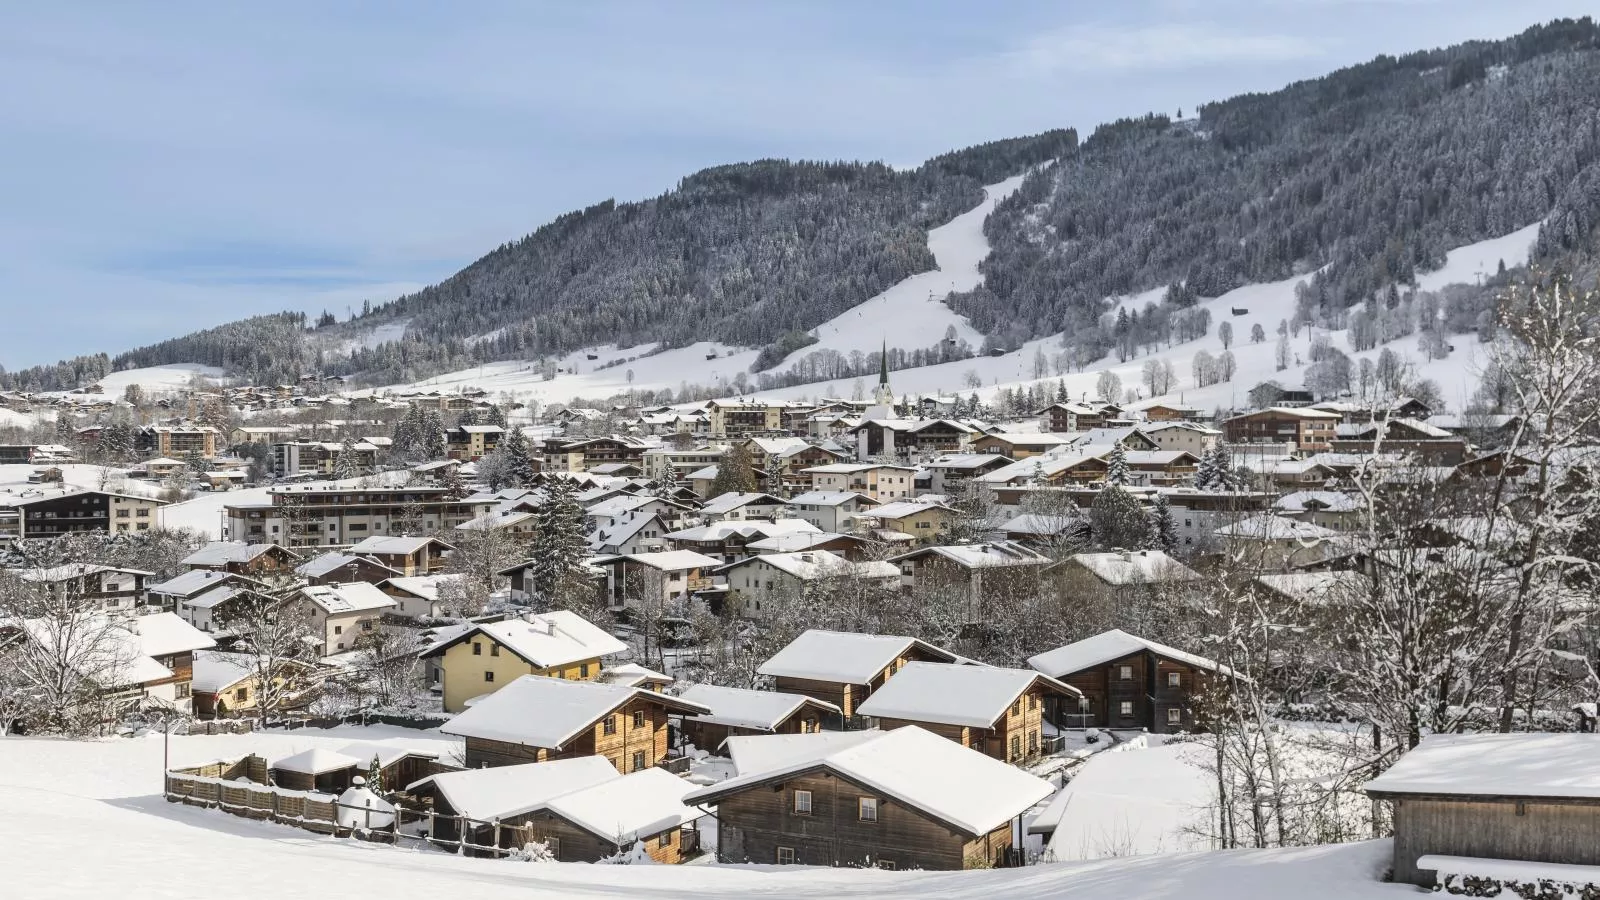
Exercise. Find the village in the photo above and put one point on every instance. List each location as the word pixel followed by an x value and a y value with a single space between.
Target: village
pixel 892 633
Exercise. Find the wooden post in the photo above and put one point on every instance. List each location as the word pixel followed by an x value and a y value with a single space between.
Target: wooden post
pixel 497 838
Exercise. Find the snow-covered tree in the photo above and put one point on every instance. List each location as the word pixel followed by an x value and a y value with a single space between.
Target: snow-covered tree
pixel 734 473
pixel 1117 466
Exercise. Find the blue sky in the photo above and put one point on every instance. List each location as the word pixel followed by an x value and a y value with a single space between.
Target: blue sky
pixel 170 166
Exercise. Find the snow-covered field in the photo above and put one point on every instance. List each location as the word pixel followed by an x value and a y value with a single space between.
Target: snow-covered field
pixel 155 380
pixel 204 513
pixel 1130 802
pixel 14 479
pixel 85 819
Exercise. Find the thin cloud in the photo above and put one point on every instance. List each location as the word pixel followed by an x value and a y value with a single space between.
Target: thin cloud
pixel 1089 48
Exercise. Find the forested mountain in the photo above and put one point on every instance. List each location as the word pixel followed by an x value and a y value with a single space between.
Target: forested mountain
pixel 1370 174
pixel 1365 176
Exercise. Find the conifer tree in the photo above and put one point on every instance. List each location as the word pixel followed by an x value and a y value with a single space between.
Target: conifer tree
pixel 734 473
pixel 1163 530
pixel 1117 466
pixel 432 436
pixel 560 548
pixel 344 465
pixel 1116 520
pixel 518 453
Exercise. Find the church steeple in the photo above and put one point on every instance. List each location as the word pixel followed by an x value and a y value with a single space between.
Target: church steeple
pixel 883 395
pixel 883 364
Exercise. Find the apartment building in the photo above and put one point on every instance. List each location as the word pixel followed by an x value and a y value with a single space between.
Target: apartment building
pixel 328 516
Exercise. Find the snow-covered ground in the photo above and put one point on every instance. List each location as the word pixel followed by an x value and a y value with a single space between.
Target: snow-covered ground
pixel 14 479
pixel 203 514
pixel 10 417
pixel 155 380
pixel 1131 802
pixel 85 819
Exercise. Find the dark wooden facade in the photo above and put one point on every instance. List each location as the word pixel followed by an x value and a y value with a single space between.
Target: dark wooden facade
pixel 848 696
pixel 1548 829
pixel 1147 698
pixel 760 824
pixel 637 739
pixel 710 735
pixel 1016 736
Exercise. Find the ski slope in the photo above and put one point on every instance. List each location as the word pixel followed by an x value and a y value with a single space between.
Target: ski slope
pixel 86 820
pixel 898 313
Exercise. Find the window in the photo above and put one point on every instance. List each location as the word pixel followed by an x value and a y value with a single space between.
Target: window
pixel 802 803
pixel 1016 746
pixel 1125 709
pixel 609 725
pixel 1174 679
pixel 666 839
pixel 477 649
pixel 1174 716
pixel 1016 707
pixel 638 760
pixel 1125 673
pixel 241 695
pixel 366 625
pixel 488 676
pixel 1033 701
pixel 638 718
pixel 867 809
pixel 785 856
pixel 182 690
pixel 494 649
pixel 142 513
pixel 886 864
pixel 583 670
pixel 122 514
pixel 142 526
pixel 554 843
pixel 338 629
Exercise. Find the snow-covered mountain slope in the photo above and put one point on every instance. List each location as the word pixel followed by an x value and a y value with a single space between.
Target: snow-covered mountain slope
pixel 154 380
pixel 86 820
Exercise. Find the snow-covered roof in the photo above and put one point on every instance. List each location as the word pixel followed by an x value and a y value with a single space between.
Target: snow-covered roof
pixel 741 708
pixel 333 561
pixel 546 640
pixel 393 545
pixel 760 753
pixel 1332 501
pixel 721 531
pixel 549 712
pixel 726 503
pixel 799 540
pixel 967 461
pixel 809 565
pixel 1108 646
pixel 851 468
pixel 163 634
pixel 632 675
pixel 1135 567
pixel 939 777
pixel 217 671
pixel 1267 527
pixel 779 445
pixel 1040 524
pixel 1497 765
pixel 424 586
pixel 628 807
pixel 505 791
pixel 355 596
pixel 619 533
pixel 1317 587
pixel 829 498
pixel 665 560
pixel 901 509
pixel 386 754
pixel 70 571
pixel 219 553
pixel 952 694
pixel 193 582
pixel 842 656
pixel 982 555
pixel 318 761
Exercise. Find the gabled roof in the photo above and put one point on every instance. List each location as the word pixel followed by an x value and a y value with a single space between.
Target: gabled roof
pixel 982 555
pixel 1268 527
pixel 901 509
pixel 550 712
pixel 809 565
pixel 745 528
pixel 425 587
pixel 1108 646
pixel 830 498
pixel 741 708
pixel 71 571
pixel 219 553
pixel 975 696
pixel 396 545
pixel 726 503
pixel 1131 567
pixel 958 786
pixel 852 468
pixel 628 807
pixel 1497 765
pixel 505 791
pixel 217 671
pixel 355 596
pixel 194 582
pixel 665 560
pixel 544 640
pixel 333 561
pixel 759 753
pixel 799 540
pixel 842 656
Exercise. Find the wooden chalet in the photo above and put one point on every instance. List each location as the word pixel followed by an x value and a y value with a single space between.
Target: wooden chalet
pixel 898 799
pixel 844 668
pixel 239 558
pixel 537 719
pixel 1128 682
pixel 1462 802
pixel 998 712
pixel 407 555
pixel 486 657
pixel 334 567
pixel 737 711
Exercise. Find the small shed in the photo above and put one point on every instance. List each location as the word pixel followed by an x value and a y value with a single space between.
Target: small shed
pixel 1524 797
pixel 317 769
pixel 738 711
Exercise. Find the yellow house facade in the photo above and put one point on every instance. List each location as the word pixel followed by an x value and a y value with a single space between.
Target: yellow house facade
pixel 491 656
